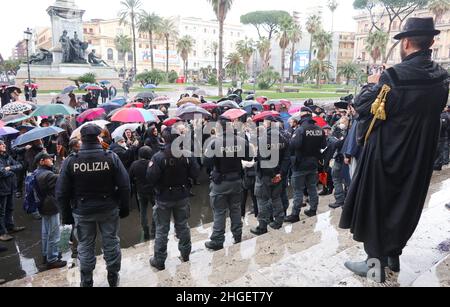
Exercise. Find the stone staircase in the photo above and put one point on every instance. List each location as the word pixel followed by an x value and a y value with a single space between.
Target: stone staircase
pixel 308 253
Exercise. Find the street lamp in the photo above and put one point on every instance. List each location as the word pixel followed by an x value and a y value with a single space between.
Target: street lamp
pixel 358 61
pixel 27 37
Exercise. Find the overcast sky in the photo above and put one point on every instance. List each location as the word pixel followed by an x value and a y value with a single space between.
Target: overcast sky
pixel 25 13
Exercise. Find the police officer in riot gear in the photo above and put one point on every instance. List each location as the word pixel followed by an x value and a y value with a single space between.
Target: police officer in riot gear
pixel 224 155
pixel 170 173
pixel 306 145
pixel 272 165
pixel 97 185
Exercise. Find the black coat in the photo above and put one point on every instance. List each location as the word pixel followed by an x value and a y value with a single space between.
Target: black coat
pixel 8 178
pixel 46 181
pixel 138 176
pixel 387 195
pixel 126 155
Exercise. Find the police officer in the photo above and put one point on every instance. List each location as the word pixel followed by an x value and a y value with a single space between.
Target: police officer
pixel 169 172
pixel 272 165
pixel 224 155
pixel 97 184
pixel 306 145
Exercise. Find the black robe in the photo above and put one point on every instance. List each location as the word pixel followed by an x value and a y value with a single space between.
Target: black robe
pixel 388 193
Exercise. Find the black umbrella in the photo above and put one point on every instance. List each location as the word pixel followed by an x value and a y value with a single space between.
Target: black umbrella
pixel 146 95
pixel 12 88
pixel 189 113
pixel 228 104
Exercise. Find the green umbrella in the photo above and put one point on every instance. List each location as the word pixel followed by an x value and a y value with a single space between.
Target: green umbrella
pixel 54 109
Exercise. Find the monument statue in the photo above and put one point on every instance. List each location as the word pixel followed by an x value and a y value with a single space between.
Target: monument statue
pixel 43 57
pixel 73 50
pixel 95 60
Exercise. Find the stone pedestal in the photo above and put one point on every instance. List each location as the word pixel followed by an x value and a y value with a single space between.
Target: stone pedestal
pixel 56 77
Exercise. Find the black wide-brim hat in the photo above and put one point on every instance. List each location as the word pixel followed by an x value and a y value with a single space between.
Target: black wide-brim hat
pixel 418 27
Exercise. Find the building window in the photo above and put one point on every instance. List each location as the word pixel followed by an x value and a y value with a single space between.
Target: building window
pixel 85 31
pixel 195 53
pixel 130 57
pixel 110 55
pixel 91 31
pixel 121 56
pixel 205 31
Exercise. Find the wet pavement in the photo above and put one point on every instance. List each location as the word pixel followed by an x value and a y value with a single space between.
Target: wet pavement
pixel 309 253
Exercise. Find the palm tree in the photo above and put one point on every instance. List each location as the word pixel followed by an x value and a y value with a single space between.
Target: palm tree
pixel 168 31
pixel 284 41
pixel 318 70
pixel 130 13
pixel 263 47
pixel 213 49
pixel 221 9
pixel 348 71
pixel 313 24
pixel 185 46
pixel 295 36
pixel 150 23
pixel 439 8
pixel 234 66
pixel 323 41
pixel 246 48
pixel 332 5
pixel 376 44
pixel 123 45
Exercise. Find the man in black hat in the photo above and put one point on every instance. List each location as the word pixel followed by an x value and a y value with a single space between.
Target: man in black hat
pixel 97 184
pixel 388 192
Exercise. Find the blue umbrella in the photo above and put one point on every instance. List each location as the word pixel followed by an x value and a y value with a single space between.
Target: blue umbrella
pixel 37 134
pixel 248 106
pixel 105 82
pixel 110 106
pixel 120 101
pixel 8 131
pixel 150 86
pixel 69 89
pixel 12 119
pixel 84 85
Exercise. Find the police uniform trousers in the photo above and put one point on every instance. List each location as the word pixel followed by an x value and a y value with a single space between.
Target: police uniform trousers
pixel 268 195
pixel 299 179
pixel 226 196
pixel 86 232
pixel 164 210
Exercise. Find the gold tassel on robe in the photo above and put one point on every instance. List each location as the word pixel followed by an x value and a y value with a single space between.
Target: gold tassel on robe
pixel 379 108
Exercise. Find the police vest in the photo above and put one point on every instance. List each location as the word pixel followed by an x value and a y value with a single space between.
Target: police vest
pixel 313 138
pixel 93 175
pixel 175 172
pixel 229 162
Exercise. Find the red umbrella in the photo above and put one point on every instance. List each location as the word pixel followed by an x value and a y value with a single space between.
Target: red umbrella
pixel 172 121
pixel 32 85
pixel 264 115
pixel 91 114
pixel 94 88
pixel 262 99
pixel 138 105
pixel 234 114
pixel 278 104
pixel 209 106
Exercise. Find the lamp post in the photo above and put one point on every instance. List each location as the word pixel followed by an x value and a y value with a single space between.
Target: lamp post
pixel 358 61
pixel 27 38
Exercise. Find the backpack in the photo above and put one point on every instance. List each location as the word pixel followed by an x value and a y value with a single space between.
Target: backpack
pixel 33 196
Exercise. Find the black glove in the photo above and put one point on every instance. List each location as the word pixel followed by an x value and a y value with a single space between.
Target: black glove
pixel 124 213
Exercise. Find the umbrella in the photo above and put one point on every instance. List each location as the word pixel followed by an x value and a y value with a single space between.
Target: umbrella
pixel 228 104
pixel 4 84
pixel 8 131
pixel 157 113
pixel 146 95
pixel 234 114
pixel 250 105
pixel 209 106
pixel 172 121
pixel 2 124
pixel 25 127
pixel 200 92
pixel 119 100
pixel 264 115
pixel 184 106
pixel 91 114
pixel 15 108
pixel 138 105
pixel 54 109
pixel 295 110
pixel 121 130
pixel 262 99
pixel 105 82
pixel 69 89
pixel 77 132
pixel 188 100
pixel 134 115
pixel 37 134
pixel 110 106
pixel 341 105
pixel 161 98
pixel 150 86
pixel 93 88
pixel 84 86
pixel 12 88
pixel 160 103
pixel 278 104
pixel 189 113
pixel 12 119
pixel 192 88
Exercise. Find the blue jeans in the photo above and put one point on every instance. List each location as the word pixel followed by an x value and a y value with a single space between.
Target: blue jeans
pixel 51 236
pixel 86 233
pixel 299 180
pixel 6 214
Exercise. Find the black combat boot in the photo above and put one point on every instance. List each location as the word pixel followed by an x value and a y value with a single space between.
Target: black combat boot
pixel 184 258
pixel 258 231
pixel 335 206
pixel 394 264
pixel 146 234
pixel 237 240
pixel 275 225
pixel 113 279
pixel 213 246
pixel 292 219
pixel 156 265
pixel 87 280
pixel 310 213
